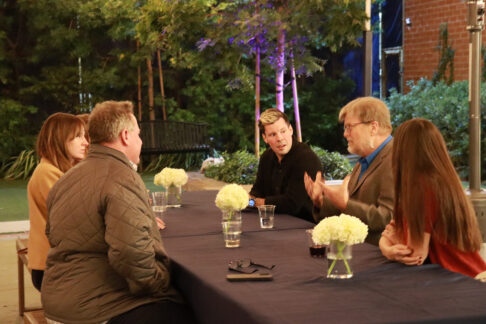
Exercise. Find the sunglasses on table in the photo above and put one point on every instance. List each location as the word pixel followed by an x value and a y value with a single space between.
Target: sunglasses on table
pixel 243 266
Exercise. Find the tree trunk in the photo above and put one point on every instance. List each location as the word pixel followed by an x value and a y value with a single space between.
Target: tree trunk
pixel 296 102
pixel 139 90
pixel 161 82
pixel 150 89
pixel 257 102
pixel 279 78
pixel 151 99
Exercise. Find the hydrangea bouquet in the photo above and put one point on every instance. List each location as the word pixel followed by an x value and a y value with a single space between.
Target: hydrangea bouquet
pixel 170 177
pixel 343 231
pixel 232 198
pixel 172 180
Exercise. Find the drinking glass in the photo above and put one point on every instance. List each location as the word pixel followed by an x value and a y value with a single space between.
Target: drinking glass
pixel 159 203
pixel 267 214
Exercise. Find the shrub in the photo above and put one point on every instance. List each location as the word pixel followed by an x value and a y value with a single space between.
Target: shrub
pixel 448 108
pixel 21 166
pixel 15 128
pixel 334 165
pixel 239 167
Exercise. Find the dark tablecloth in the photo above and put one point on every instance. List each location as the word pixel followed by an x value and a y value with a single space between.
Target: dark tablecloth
pixel 200 216
pixel 380 291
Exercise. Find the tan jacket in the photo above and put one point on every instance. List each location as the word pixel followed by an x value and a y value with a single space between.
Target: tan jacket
pixel 106 253
pixel 371 198
pixel 44 177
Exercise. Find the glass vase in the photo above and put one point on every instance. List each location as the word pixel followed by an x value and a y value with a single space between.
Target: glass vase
pixel 174 196
pixel 339 255
pixel 231 223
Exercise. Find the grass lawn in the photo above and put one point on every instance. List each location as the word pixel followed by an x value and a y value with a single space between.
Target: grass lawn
pixel 13 198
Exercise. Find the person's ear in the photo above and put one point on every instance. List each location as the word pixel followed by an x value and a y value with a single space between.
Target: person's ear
pixel 374 127
pixel 124 137
pixel 291 130
pixel 264 138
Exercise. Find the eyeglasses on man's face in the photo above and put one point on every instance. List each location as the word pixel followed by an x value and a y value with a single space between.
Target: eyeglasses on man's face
pixel 349 127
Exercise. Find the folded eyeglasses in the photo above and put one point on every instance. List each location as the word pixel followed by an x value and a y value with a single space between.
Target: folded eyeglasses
pixel 243 266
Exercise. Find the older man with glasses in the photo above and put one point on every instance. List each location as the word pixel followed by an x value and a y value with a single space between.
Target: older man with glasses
pixel 367 192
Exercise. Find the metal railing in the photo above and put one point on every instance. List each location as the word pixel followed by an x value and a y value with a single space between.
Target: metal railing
pixel 163 136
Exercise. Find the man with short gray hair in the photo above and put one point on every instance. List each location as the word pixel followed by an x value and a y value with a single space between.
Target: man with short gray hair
pixel 282 166
pixel 368 192
pixel 107 262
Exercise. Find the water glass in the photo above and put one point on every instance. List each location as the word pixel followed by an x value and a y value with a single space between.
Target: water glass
pixel 232 232
pixel 159 203
pixel 267 214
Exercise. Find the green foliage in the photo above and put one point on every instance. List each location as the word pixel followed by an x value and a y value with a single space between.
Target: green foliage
pixel 67 55
pixel 15 128
pixel 448 108
pixel 186 161
pixel 334 165
pixel 320 100
pixel 446 62
pixel 229 114
pixel 21 166
pixel 239 167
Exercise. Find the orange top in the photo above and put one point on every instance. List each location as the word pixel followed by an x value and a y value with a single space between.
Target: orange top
pixel 43 179
pixel 442 252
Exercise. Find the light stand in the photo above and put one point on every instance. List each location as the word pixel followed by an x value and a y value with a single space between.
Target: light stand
pixel 475 25
pixel 368 50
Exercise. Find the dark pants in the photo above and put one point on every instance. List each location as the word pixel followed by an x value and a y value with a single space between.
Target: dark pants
pixel 37 276
pixel 160 312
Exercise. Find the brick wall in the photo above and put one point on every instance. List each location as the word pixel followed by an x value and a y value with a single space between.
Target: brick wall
pixel 421 56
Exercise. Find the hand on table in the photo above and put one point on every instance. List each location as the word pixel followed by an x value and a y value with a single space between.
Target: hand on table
pixel 160 223
pixel 403 254
pixel 259 201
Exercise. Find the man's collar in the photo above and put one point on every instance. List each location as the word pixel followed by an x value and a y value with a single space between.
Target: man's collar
pixel 104 149
pixel 370 157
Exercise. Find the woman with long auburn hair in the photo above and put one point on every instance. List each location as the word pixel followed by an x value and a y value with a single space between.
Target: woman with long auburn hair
pixel 60 145
pixel 432 215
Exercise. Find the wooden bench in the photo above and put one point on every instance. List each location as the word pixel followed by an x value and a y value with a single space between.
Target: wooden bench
pixel 167 136
pixel 30 315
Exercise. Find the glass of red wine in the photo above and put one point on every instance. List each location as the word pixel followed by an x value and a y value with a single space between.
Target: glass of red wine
pixel 315 250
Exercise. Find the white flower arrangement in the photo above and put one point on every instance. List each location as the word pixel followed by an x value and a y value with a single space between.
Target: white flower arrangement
pixel 232 197
pixel 170 177
pixel 343 228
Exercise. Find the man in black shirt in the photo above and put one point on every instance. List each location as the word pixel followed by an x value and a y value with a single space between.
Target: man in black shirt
pixel 281 169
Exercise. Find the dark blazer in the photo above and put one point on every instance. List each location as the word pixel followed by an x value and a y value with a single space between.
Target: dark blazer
pixel 371 198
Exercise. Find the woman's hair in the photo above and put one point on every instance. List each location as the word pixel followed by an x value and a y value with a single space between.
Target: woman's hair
pixel 85 119
pixel 108 119
pixel 56 131
pixel 421 165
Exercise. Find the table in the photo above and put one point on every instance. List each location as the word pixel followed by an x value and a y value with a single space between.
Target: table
pixel 200 216
pixel 380 292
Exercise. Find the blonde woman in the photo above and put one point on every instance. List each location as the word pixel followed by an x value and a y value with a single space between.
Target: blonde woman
pixel 61 143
